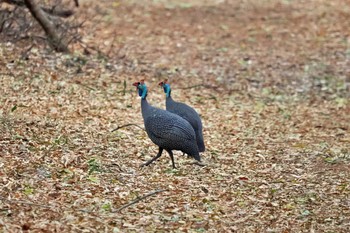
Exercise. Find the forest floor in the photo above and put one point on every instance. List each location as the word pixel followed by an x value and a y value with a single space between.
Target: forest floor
pixel 270 79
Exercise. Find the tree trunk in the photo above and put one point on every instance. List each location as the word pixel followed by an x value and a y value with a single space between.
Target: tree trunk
pixel 55 40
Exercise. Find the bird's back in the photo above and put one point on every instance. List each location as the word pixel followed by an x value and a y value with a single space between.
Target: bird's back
pixel 190 115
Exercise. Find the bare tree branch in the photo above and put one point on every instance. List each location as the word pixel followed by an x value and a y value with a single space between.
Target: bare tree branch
pixel 139 199
pixel 14 2
pixel 54 39
pixel 58 12
pixel 52 11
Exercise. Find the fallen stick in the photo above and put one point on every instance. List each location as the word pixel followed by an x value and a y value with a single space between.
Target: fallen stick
pixel 139 199
pixel 52 208
pixel 27 203
pixel 120 127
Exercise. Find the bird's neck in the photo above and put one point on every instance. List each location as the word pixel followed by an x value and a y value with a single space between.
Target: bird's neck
pixel 169 99
pixel 144 104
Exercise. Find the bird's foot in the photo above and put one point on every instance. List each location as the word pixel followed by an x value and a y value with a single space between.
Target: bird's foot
pixel 199 163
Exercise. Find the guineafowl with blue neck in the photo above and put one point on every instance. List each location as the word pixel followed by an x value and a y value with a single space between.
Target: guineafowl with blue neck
pixel 186 112
pixel 167 130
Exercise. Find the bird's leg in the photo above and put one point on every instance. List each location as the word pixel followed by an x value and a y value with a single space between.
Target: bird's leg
pixel 153 159
pixel 172 158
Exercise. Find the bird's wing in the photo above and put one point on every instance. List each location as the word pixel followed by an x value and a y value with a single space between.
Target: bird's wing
pixel 168 126
pixel 188 113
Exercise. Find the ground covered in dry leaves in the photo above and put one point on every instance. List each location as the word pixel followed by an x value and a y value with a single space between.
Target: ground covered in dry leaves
pixel 269 78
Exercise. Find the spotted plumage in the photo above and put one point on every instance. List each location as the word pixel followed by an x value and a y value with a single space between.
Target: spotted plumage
pixel 186 112
pixel 167 130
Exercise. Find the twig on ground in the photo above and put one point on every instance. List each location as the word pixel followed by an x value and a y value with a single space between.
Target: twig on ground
pixel 52 208
pixel 139 199
pixel 126 125
pixel 27 203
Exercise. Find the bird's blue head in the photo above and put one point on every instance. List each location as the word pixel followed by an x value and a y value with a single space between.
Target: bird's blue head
pixel 166 87
pixel 142 88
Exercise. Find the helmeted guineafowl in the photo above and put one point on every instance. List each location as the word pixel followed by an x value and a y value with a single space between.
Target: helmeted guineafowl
pixel 186 112
pixel 167 130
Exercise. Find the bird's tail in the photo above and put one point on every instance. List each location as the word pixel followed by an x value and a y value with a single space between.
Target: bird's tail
pixel 196 156
pixel 200 142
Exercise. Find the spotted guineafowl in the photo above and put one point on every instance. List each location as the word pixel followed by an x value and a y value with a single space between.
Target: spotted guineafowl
pixel 186 112
pixel 167 130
